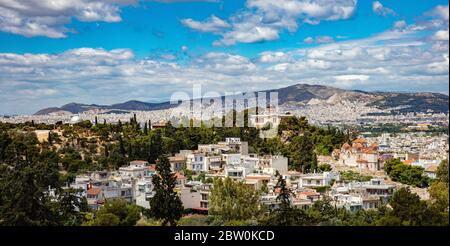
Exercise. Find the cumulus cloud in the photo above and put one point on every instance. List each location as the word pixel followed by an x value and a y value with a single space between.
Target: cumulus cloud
pixel 48 18
pixel 387 61
pixel 379 9
pixel 213 24
pixel 412 58
pixel 440 11
pixel 263 20
pixel 319 40
pixel 400 24
pixel 271 57
pixel 244 33
pixel 441 35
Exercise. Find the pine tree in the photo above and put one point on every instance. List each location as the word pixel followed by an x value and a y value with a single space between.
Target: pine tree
pixel 165 204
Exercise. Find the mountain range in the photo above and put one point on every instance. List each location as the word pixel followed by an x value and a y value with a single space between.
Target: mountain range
pixel 301 95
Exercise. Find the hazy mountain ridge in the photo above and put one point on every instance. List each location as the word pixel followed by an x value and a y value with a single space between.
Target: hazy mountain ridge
pixel 301 94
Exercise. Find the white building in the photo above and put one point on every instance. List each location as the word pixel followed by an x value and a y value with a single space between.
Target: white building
pixel 318 179
pixel 196 162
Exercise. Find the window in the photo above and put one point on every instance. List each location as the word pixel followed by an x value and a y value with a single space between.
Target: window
pixel 204 196
pixel 203 204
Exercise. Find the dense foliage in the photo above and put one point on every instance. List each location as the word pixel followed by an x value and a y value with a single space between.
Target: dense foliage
pixel 406 174
pixel 349 176
pixel 231 200
pixel 116 212
pixel 31 191
pixel 33 175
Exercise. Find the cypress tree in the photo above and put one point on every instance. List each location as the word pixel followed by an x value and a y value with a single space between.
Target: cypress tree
pixel 314 163
pixel 145 128
pixel 120 125
pixel 50 139
pixel 96 120
pixel 121 147
pixel 166 204
pixel 106 151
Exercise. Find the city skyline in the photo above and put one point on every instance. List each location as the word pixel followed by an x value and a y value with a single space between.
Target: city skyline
pixel 113 51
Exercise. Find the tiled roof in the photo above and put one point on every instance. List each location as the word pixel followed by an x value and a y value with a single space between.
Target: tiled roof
pixel 94 191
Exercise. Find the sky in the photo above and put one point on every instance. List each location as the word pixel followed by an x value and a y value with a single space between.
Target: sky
pixel 54 52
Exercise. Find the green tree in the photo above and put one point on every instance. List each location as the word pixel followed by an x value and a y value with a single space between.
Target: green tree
pixel 116 212
pixel 165 204
pixel 285 214
pixel 231 200
pixel 411 175
pixel 324 167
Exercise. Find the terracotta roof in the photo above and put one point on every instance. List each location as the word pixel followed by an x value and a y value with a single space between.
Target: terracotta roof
pixel 179 175
pixel 308 193
pixel 177 158
pixel 369 151
pixel 258 177
pixel 138 162
pixel 359 140
pixel 346 146
pixel 407 162
pixel 94 191
pixel 374 145
pixel 152 167
pixel 361 161
pixel 357 146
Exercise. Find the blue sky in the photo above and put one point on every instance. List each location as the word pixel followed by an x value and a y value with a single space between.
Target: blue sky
pixel 109 51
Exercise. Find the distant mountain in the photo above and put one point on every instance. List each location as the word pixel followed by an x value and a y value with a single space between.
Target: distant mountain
pixel 76 108
pixel 302 94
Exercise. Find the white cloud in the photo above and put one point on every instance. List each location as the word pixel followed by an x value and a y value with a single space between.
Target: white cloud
pixel 441 35
pixel 308 40
pixel 270 57
pixel 350 77
pixel 248 34
pixel 263 20
pixel 411 59
pixel 48 18
pixel 379 9
pixel 213 24
pixel 400 24
pixel 441 12
pixel 319 40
